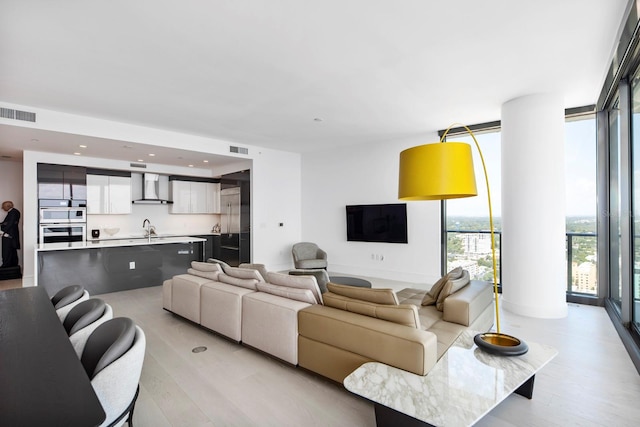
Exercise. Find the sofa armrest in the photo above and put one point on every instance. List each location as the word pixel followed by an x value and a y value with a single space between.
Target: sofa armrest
pixel 466 305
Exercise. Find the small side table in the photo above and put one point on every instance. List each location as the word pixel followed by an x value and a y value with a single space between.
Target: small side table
pixel 350 281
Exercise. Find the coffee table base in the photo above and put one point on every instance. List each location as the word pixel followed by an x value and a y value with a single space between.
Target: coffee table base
pixel 387 417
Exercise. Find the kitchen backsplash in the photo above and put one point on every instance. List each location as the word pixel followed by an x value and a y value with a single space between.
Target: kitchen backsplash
pixel 158 215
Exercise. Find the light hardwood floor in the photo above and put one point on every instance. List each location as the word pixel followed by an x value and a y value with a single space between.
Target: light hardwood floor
pixel 592 381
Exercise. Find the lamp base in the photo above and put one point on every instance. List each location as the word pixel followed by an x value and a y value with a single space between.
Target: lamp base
pixel 500 344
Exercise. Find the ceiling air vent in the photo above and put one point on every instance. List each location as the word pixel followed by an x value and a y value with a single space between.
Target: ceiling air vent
pixel 138 165
pixel 239 150
pixel 8 113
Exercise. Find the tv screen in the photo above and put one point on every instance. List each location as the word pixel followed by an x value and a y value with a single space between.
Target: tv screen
pixel 377 223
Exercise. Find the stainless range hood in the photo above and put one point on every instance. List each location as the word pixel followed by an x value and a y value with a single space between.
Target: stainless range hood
pixel 155 190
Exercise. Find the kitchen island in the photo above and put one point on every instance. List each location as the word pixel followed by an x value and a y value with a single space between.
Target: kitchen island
pixel 104 266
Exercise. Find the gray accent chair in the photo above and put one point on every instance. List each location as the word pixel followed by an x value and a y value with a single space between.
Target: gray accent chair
pixel 83 319
pixel 67 298
pixel 113 358
pixel 307 255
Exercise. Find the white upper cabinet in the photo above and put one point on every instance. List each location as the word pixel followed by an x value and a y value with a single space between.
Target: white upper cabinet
pixel 193 197
pixel 213 197
pixel 108 194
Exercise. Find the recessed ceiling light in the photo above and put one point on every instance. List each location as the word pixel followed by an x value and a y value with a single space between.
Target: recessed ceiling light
pixel 82 146
pixel 205 161
pixel 140 160
pixel 151 155
pixel 190 166
pixel 77 154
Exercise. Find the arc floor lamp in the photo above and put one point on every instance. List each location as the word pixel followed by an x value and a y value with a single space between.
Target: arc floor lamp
pixel 442 171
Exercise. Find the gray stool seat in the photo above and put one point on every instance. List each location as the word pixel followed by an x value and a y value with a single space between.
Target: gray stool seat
pixel 83 314
pixel 66 296
pixel 107 343
pixel 113 358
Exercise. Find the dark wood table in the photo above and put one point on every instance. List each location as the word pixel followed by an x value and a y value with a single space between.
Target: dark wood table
pixel 42 381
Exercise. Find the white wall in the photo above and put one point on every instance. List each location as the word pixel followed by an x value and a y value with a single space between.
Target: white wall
pixel 367 174
pixel 11 189
pixel 275 199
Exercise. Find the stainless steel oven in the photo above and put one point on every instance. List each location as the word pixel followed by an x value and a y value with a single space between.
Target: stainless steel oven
pixel 56 233
pixel 62 215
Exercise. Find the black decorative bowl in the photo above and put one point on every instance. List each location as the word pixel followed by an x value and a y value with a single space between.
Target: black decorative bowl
pixel 500 344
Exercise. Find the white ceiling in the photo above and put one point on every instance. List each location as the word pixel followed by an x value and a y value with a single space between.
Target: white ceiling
pixel 259 72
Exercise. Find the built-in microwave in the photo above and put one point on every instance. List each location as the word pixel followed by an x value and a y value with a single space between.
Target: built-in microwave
pixel 56 233
pixel 62 215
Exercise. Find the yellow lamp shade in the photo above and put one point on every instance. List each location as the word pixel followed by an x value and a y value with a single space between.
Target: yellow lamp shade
pixel 437 171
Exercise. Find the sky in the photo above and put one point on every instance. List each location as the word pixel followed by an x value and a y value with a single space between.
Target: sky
pixel 580 172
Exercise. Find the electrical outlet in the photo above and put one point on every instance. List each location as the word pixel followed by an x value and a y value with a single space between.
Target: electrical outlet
pixel 132 265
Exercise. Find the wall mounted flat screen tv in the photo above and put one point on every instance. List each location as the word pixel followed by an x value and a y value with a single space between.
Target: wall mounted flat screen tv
pixel 377 223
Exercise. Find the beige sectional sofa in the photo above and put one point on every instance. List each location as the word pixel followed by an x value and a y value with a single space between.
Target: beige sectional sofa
pixel 239 304
pixel 333 333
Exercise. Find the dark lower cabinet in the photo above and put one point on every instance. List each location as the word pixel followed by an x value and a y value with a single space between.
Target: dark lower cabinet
pixel 216 247
pixel 104 270
pixel 208 251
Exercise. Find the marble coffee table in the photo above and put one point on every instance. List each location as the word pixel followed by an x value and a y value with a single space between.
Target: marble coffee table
pixel 464 385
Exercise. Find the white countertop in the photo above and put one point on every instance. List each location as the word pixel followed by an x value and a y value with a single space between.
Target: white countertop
pixel 111 243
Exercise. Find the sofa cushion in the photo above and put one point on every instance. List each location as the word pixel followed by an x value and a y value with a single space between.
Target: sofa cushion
pixel 244 283
pixel 244 273
pixel 260 268
pixel 298 294
pixel 321 275
pixel 211 275
pixel 205 266
pixel 221 263
pixel 406 314
pixel 431 297
pixel 303 282
pixel 375 295
pixel 452 286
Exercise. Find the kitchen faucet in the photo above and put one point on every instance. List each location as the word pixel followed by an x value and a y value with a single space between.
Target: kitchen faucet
pixel 150 229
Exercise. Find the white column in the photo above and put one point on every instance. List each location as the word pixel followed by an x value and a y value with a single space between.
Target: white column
pixel 534 269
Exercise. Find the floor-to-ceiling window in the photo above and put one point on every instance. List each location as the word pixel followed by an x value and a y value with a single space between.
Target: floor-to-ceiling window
pixel 618 111
pixel 635 189
pixel 466 221
pixel 613 213
pixel 580 184
pixel 468 235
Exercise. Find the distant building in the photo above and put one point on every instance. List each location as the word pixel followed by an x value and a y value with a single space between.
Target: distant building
pixel 584 277
pixel 475 245
pixel 471 266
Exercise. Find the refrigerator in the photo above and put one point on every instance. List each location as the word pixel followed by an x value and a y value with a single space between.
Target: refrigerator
pixel 230 226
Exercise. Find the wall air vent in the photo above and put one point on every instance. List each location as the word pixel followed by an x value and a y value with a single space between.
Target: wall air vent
pixel 138 165
pixel 239 150
pixel 8 113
